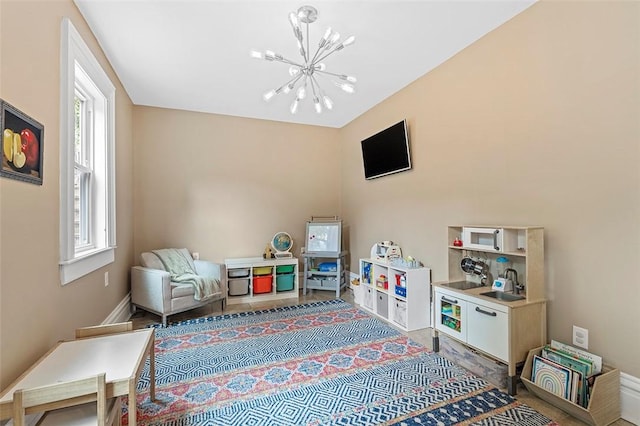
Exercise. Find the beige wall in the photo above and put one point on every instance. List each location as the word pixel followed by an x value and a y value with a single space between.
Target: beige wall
pixel 35 310
pixel 223 186
pixel 538 123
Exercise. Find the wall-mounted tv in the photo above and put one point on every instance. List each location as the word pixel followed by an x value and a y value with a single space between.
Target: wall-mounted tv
pixel 387 151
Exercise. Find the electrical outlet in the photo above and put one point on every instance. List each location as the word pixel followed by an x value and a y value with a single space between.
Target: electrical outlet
pixel 580 337
pixel 106 278
pixel 196 256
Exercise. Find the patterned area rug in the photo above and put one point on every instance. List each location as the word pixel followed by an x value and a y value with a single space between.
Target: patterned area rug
pixel 323 363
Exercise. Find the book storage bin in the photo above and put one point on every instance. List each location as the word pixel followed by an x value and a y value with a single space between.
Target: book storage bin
pixel 604 402
pixel 262 284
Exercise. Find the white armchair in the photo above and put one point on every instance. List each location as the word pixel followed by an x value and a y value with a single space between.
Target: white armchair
pixel 152 289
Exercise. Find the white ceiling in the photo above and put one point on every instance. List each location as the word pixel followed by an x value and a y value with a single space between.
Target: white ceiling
pixel 194 54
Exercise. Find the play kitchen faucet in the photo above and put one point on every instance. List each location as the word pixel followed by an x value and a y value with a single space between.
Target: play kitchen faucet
pixel 517 287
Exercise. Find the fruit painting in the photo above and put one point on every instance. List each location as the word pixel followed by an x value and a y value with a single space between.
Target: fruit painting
pixel 22 139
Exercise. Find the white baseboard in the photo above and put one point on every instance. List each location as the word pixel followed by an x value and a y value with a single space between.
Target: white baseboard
pixel 121 313
pixel 630 398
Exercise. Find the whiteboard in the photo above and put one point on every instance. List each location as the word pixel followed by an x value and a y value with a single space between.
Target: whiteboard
pixel 323 238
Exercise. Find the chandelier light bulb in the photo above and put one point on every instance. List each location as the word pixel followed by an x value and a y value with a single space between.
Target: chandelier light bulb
pixel 268 95
pixel 294 20
pixel 310 64
pixel 350 40
pixel 346 87
pixel 325 37
pixel 294 106
pixel 302 92
pixel 328 103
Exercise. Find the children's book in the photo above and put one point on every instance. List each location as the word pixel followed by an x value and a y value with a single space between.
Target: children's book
pixel 581 368
pixel 595 360
pixel 552 377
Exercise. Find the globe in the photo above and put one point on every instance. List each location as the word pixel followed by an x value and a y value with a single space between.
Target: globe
pixel 282 242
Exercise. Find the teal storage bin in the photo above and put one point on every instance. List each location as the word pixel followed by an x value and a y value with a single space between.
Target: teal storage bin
pixel 284 282
pixel 284 269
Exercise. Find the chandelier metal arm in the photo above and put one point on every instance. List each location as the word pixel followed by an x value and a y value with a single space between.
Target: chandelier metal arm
pixel 290 83
pixel 306 54
pixel 340 76
pixel 279 58
pixel 304 74
pixel 321 49
pixel 322 58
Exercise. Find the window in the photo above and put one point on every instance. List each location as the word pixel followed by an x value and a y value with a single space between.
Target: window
pixel 87 160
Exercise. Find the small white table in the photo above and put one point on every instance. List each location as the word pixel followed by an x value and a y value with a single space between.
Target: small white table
pixel 121 356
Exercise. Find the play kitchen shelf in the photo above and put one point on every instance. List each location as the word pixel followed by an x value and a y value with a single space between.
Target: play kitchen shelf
pixel 500 325
pixel 522 245
pixel 397 294
pixel 256 279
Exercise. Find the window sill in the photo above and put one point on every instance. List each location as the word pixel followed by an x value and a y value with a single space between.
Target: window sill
pixel 71 270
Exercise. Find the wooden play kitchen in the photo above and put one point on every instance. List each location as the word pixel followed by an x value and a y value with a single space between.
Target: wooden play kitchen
pixel 470 308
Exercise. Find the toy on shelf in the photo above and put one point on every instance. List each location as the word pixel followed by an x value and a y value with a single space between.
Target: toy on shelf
pixel 282 244
pixel 385 250
pixel 408 262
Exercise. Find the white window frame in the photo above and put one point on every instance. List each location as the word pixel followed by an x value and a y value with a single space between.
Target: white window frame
pixel 77 263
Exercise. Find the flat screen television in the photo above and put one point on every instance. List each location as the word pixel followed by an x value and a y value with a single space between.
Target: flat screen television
pixel 324 238
pixel 386 152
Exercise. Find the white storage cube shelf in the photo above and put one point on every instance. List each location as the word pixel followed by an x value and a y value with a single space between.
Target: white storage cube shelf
pixel 409 306
pixel 243 275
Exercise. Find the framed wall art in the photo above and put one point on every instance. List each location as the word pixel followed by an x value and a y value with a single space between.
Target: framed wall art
pixel 22 145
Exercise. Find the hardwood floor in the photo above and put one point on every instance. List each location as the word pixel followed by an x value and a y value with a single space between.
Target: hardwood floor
pixel 142 319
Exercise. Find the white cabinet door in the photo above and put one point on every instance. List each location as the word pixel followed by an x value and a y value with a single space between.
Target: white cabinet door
pixel 450 315
pixel 488 330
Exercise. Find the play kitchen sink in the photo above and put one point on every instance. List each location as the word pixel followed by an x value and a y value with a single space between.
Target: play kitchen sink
pixel 500 295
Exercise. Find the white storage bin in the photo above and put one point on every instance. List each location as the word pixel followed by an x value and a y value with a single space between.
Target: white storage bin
pixel 400 312
pixel 238 273
pixel 368 296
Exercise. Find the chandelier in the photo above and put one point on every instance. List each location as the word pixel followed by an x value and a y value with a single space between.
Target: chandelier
pixel 304 74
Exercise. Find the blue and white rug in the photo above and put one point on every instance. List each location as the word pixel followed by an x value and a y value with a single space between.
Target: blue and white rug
pixel 323 363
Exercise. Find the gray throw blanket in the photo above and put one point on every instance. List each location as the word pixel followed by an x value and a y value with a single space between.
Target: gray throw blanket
pixel 182 272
